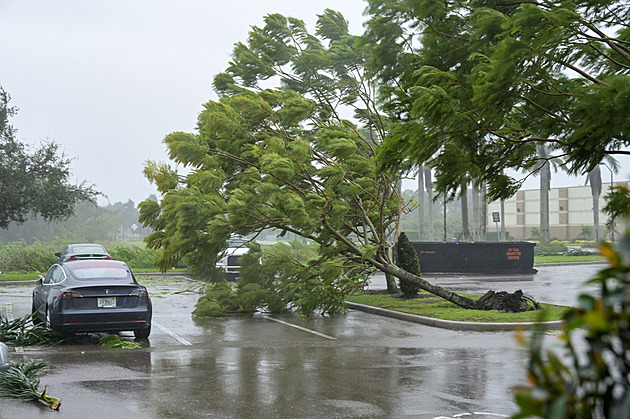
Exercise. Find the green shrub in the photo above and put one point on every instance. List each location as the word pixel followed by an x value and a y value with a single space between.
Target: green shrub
pixel 39 256
pixel 20 257
pixel 554 249
pixel 135 256
pixel 407 259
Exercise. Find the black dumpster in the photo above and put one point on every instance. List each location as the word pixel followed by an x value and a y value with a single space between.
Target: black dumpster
pixel 478 257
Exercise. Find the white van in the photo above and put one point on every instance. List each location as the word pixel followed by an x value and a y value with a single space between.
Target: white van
pixel 230 262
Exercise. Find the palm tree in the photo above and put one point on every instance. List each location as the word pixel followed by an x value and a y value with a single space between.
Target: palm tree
pixel 594 178
pixel 543 167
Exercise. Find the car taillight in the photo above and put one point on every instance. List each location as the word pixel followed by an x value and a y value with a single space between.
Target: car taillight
pixel 107 257
pixel 140 292
pixel 69 295
pixel 73 258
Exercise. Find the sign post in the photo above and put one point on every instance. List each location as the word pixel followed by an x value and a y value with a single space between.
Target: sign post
pixel 496 218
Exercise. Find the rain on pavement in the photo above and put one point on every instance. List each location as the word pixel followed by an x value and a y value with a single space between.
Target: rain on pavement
pixel 356 365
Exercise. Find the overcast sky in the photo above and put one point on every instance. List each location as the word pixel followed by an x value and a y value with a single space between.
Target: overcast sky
pixel 109 79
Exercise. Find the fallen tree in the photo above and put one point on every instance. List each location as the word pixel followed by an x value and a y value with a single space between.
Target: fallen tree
pixel 286 159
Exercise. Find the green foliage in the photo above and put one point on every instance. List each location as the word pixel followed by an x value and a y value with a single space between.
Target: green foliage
pixel 219 299
pixel 37 182
pixel 20 257
pixel 474 87
pixel 407 259
pixel 136 256
pixel 114 341
pixel 89 224
pixel 272 280
pixel 589 377
pixel 22 332
pixel 618 205
pixel 280 158
pixel 551 250
pixel 586 232
pixel 20 382
pixel 38 257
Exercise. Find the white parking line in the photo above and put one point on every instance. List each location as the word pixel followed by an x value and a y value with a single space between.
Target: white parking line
pixel 8 308
pixel 302 328
pixel 172 334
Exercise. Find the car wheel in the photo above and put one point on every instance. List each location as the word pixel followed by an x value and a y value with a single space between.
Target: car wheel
pixel 35 318
pixel 142 333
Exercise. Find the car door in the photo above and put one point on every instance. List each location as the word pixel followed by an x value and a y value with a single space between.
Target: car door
pixel 41 291
pixel 50 285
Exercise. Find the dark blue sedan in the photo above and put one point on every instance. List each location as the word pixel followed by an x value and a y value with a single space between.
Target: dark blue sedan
pixel 92 295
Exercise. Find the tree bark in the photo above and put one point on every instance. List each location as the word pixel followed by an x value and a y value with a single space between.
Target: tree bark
pixel 429 187
pixel 545 185
pixel 458 300
pixel 476 208
pixel 421 202
pixel 464 202
pixel 595 180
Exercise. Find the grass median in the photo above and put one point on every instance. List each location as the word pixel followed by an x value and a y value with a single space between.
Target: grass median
pixel 429 305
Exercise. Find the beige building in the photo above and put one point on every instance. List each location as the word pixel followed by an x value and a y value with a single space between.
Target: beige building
pixel 570 208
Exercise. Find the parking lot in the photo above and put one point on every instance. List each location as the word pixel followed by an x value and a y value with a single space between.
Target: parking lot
pixel 275 366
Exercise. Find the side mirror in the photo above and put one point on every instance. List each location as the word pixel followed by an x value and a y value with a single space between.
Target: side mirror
pixel 40 280
pixel 5 363
pixel 58 254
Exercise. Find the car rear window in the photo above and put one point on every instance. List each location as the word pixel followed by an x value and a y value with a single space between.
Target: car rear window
pixel 88 249
pixel 99 270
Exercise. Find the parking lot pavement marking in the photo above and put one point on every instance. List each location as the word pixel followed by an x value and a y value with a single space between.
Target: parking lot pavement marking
pixel 172 334
pixel 8 308
pixel 302 328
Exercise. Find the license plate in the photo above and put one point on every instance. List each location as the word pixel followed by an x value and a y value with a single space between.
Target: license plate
pixel 106 302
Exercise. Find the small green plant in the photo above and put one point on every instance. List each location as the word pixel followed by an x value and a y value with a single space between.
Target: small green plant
pixel 535 232
pixel 589 376
pixel 407 260
pixel 114 341
pixel 22 332
pixel 586 232
pixel 20 382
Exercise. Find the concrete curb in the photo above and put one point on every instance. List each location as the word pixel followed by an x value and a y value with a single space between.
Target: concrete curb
pixel 454 325
pixel 18 282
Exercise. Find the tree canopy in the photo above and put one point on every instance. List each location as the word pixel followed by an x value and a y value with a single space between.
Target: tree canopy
pixel 276 151
pixel 34 182
pixel 476 85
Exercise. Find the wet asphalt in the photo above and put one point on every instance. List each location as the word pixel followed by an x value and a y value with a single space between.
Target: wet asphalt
pixel 356 365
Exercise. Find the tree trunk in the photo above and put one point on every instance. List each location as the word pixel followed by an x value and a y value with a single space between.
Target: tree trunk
pixel 458 300
pixel 502 236
pixel 476 209
pixel 429 187
pixel 595 180
pixel 484 211
pixel 545 185
pixel 464 202
pixel 421 202
pixel 391 283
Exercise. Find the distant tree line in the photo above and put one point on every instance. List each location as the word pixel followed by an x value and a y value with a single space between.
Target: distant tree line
pixel 90 223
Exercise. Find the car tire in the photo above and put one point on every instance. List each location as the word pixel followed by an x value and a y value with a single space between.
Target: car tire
pixel 142 333
pixel 35 319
